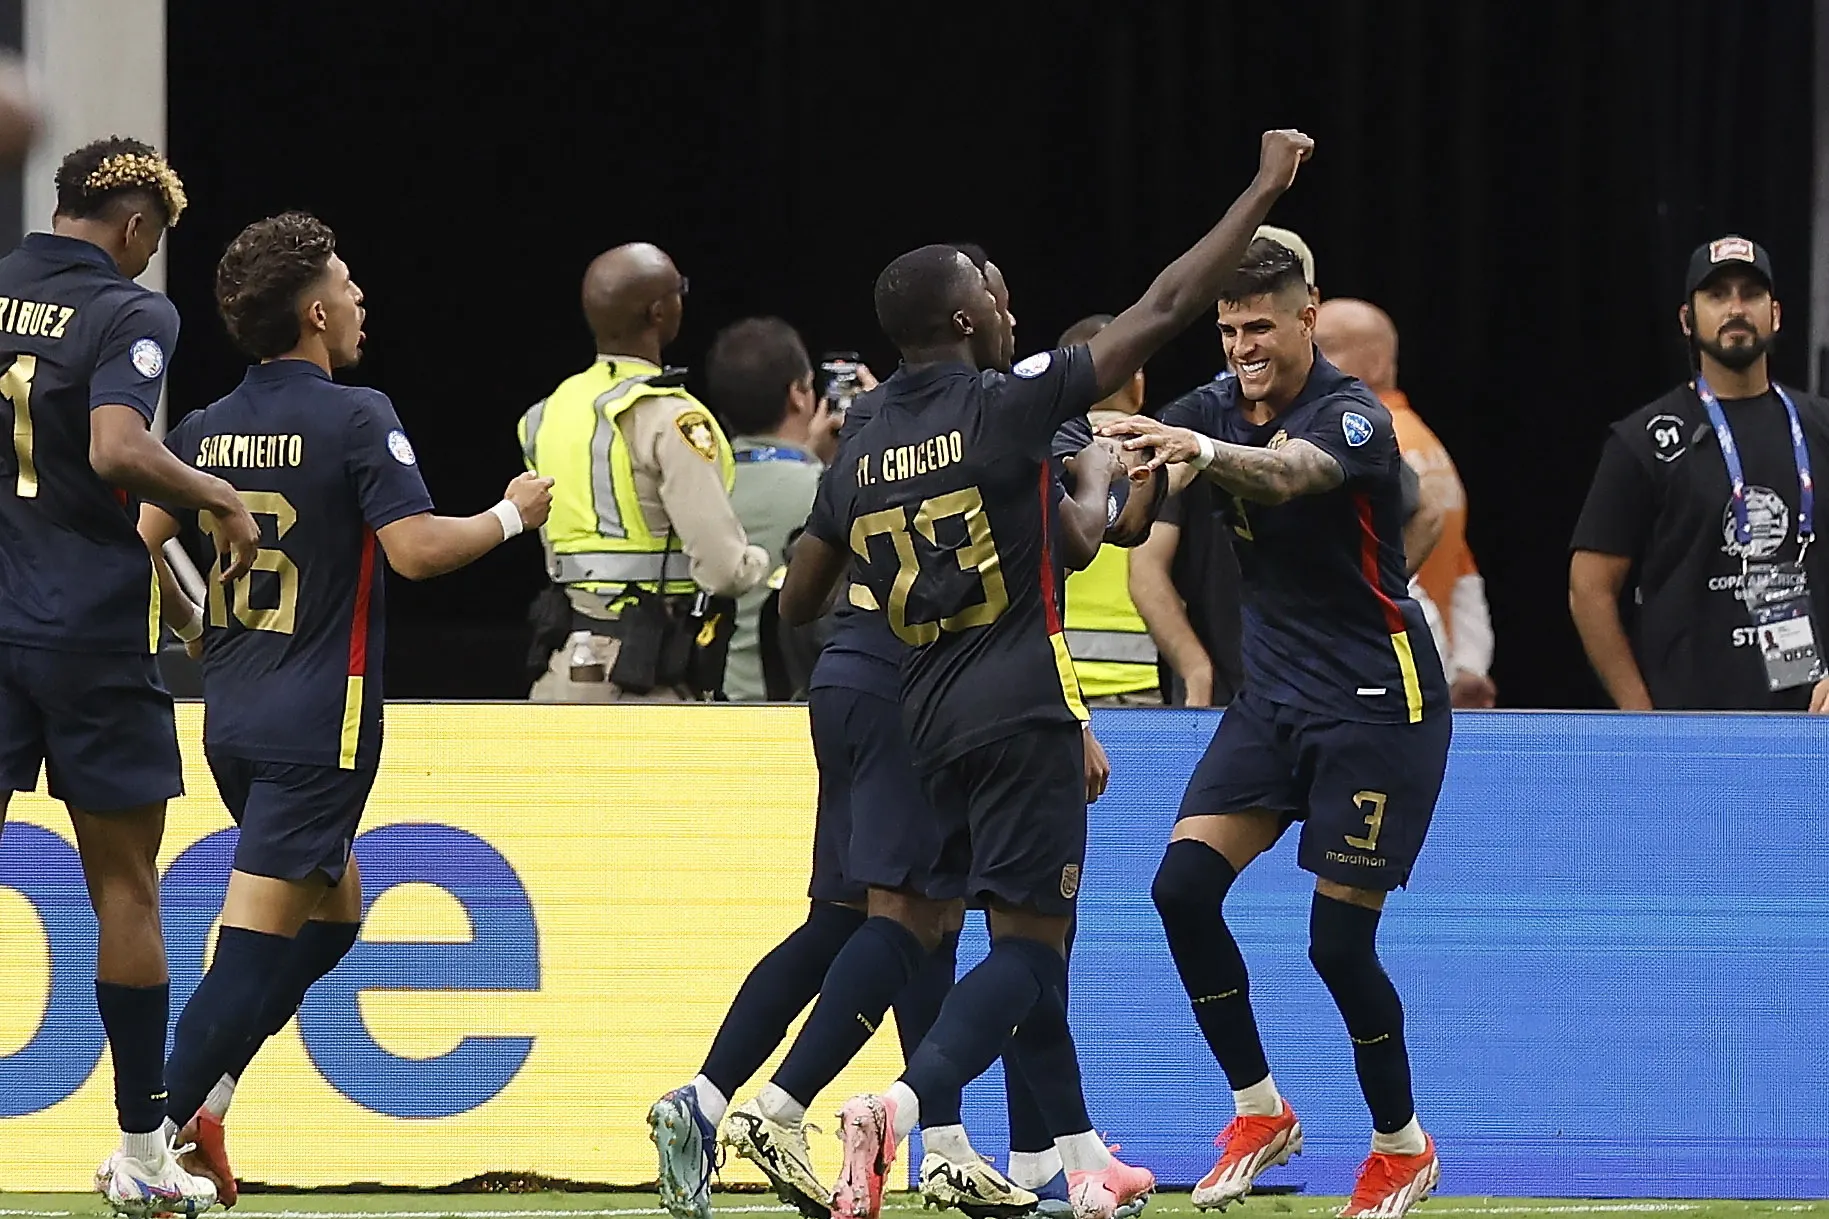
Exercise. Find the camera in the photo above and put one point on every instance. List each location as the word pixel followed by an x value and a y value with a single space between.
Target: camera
pixel 838 369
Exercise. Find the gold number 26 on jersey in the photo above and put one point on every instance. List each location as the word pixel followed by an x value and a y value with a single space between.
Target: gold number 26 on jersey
pixel 979 555
pixel 282 618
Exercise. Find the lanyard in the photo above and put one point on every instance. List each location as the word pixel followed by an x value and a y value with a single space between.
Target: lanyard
pixel 780 452
pixel 1736 475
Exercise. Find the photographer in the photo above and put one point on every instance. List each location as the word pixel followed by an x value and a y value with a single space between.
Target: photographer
pixel 760 381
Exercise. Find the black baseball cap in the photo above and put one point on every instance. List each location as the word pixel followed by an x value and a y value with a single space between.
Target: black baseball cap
pixel 1723 254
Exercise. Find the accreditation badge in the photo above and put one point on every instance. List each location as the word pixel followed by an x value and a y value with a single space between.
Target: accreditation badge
pixel 1777 596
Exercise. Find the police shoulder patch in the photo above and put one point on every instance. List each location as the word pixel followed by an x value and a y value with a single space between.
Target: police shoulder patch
pixel 1033 366
pixel 696 429
pixel 1357 427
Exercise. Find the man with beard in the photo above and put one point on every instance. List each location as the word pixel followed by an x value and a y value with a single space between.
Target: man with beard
pixel 1704 500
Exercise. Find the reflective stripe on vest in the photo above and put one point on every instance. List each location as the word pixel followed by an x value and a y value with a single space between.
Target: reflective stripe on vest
pixel 1112 650
pixel 598 537
pixel 1121 647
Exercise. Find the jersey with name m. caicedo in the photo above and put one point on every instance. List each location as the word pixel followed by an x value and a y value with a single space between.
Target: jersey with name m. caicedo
pixel 75 334
pixel 945 502
pixel 293 651
pixel 1329 626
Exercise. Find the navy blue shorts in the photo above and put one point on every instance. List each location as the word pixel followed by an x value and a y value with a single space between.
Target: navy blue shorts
pixel 295 820
pixel 1364 791
pixel 1012 819
pixel 874 827
pixel 100 723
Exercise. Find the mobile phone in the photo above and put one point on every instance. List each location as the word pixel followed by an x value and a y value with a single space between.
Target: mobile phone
pixel 839 370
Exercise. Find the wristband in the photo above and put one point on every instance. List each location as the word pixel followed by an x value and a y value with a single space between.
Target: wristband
pixel 510 517
pixel 191 631
pixel 1204 458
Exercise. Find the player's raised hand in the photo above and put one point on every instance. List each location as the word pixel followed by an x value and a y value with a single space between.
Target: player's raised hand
pixel 1280 154
pixel 532 497
pixel 237 536
pixel 1164 444
pixel 1100 454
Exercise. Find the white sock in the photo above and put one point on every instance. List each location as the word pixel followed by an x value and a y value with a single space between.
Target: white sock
pixel 778 1106
pixel 1260 1099
pixel 217 1102
pixel 712 1103
pixel 148 1148
pixel 1034 1169
pixel 950 1143
pixel 907 1108
pixel 1083 1152
pixel 1406 1142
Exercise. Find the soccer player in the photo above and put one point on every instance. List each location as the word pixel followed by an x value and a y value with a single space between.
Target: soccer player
pixel 292 651
pixel 1343 721
pixel 83 353
pixel 941 505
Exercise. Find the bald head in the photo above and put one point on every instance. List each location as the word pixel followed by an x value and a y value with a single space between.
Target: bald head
pixel 632 300
pixel 1359 339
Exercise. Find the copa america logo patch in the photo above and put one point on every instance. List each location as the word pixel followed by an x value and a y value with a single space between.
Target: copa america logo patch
pixel 148 358
pixel 1033 366
pixel 1357 427
pixel 400 447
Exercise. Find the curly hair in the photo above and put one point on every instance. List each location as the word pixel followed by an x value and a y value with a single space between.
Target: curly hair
pixel 98 175
pixel 262 274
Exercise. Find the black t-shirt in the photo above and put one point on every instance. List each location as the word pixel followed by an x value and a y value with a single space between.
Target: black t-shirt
pixel 75 334
pixel 1329 625
pixel 1661 498
pixel 945 500
pixel 292 651
pixel 1205 573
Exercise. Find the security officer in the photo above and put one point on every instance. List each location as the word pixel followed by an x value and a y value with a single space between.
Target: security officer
pixel 643 530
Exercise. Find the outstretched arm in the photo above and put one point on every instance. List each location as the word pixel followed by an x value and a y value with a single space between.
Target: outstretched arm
pixel 1264 476
pixel 1190 285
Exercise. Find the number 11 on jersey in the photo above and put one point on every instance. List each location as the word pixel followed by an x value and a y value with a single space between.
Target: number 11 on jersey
pixel 16 388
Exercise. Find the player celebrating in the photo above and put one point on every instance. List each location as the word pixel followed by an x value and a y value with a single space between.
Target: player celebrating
pixel 292 651
pixel 83 352
pixel 944 500
pixel 1343 721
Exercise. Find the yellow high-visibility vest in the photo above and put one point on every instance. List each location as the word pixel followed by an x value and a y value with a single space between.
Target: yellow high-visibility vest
pixel 1112 650
pixel 597 537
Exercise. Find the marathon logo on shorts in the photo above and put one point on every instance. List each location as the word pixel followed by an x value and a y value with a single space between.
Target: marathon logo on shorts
pixel 1070 881
pixel 1730 249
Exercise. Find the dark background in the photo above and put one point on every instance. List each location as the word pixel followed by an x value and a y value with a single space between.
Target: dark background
pixel 1519 184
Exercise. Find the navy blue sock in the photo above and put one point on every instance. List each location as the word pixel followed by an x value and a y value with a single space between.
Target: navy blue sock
pixel 916 1009
pixel 135 1018
pixel 224 1011
pixel 866 976
pixel 777 990
pixel 1028 1127
pixel 976 1019
pixel 1043 1053
pixel 1189 892
pixel 314 953
pixel 1342 944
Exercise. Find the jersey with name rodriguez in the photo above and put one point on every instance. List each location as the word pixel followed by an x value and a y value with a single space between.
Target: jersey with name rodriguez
pixel 293 651
pixel 75 334
pixel 1329 625
pixel 945 500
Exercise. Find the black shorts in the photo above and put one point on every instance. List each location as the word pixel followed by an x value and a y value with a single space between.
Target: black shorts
pixel 874 827
pixel 100 723
pixel 295 820
pixel 1365 791
pixel 1012 816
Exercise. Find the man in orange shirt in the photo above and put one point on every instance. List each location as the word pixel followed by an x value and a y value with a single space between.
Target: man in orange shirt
pixel 1360 339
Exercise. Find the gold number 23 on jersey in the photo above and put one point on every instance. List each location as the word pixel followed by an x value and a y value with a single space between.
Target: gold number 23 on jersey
pixel 978 554
pixel 280 618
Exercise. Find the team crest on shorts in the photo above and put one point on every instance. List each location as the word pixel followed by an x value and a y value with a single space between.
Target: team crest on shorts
pixel 148 358
pixel 1357 427
pixel 1070 880
pixel 695 429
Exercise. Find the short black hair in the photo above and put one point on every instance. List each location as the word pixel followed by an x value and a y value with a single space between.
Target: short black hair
pixel 973 251
pixel 107 172
pixel 262 273
pixel 919 292
pixel 750 368
pixel 1085 328
pixel 1268 268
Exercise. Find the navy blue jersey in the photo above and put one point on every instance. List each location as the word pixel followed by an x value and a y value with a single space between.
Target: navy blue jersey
pixel 75 334
pixel 945 500
pixel 292 651
pixel 1329 625
pixel 863 653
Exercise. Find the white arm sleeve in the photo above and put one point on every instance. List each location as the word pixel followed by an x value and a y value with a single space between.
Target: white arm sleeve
pixel 1472 626
pixel 1437 628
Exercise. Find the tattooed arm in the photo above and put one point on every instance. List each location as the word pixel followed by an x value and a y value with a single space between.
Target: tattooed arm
pixel 1263 476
